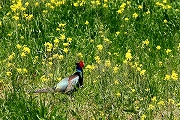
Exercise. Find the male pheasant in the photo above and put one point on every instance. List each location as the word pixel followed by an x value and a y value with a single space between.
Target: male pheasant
pixel 69 83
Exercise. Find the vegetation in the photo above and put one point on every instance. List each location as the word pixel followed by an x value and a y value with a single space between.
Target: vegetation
pixel 130 49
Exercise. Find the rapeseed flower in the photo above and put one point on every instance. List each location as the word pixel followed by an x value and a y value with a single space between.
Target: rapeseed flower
pixel 158 47
pixel 140 6
pixel 60 57
pixel 135 15
pixel 86 23
pixel 62 37
pixel 146 42
pixel 151 107
pixel 171 101
pixel 128 55
pixel 117 33
pixel 66 50
pixel 10 57
pixel 80 54
pixel 168 51
pixel 118 94
pixel 26 50
pixel 69 40
pixel 49 46
pixel 116 82
pixel 97 58
pixel 107 63
pixel 165 21
pixel 167 77
pixel 143 117
pixel 142 72
pixel 154 99
pixel 8 73
pixel 126 19
pixel 148 12
pixel 65 44
pixel 115 69
pixel 100 47
pixel 162 103
pixel 44 78
pixel 174 75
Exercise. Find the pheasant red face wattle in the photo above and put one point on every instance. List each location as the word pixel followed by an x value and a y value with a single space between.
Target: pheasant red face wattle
pixel 81 64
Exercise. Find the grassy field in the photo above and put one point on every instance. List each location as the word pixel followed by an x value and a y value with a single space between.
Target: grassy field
pixel 131 51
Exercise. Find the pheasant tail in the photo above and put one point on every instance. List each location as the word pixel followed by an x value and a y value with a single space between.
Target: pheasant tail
pixel 44 90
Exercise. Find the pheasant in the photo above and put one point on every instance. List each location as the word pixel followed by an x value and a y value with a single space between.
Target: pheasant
pixel 69 83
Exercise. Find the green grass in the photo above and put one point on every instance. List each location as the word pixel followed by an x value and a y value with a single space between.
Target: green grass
pixel 132 80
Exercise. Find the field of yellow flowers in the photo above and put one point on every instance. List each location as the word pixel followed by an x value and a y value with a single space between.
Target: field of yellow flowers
pixel 131 51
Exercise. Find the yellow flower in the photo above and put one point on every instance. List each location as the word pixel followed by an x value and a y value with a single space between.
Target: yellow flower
pixel 107 63
pixel 179 46
pixel 65 50
pixel 165 21
pixel 168 51
pixel 27 3
pixel 128 55
pixel 44 78
pixel 87 23
pixel 140 6
pixel 8 73
pixel 97 58
pixel 117 33
pixel 148 12
pixel 69 40
pixel 90 67
pixel 23 54
pixel 66 44
pixel 48 46
pixel 151 107
pixel 62 37
pixel 26 49
pixel 116 82
pixel 138 69
pixel 161 103
pixel 160 63
pixel 135 15
pixel 133 90
pixel 80 55
pixel 164 1
pixel 100 47
pixel 10 57
pixel 118 94
pixel 146 42
pixel 158 47
pixel 167 77
pixel 174 75
pixel 171 101
pixel 50 63
pixel 62 25
pixel 76 4
pixel 55 56
pixel 154 99
pixel 142 72
pixel 0 23
pixel 126 19
pixel 115 69
pixel 36 4
pixel 56 41
pixel 24 70
pixel 15 17
pixel 19 70
pixel 60 57
pixel 143 117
